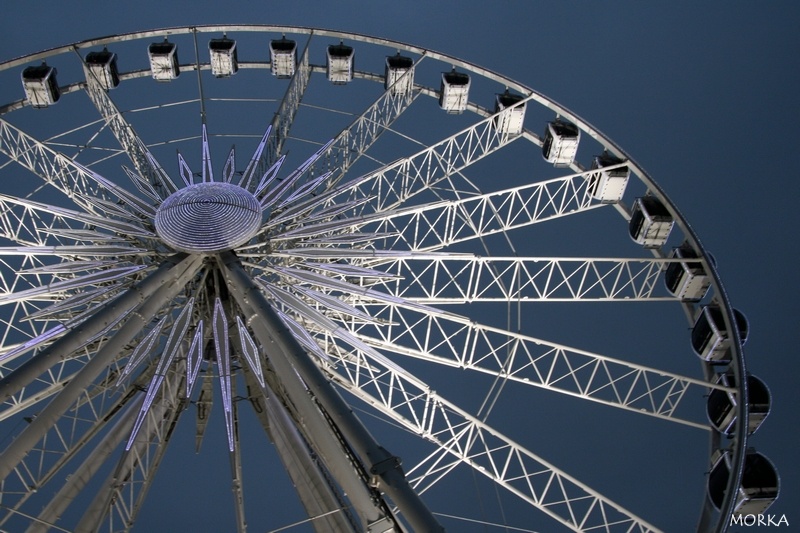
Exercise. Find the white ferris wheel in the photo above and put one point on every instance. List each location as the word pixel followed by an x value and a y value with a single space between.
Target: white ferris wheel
pixel 440 297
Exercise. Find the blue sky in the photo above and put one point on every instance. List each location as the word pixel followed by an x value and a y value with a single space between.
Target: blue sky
pixel 703 96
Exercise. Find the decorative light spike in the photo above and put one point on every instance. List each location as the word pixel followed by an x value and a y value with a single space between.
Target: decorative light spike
pixel 112 208
pixel 311 252
pixel 229 169
pixel 351 288
pixel 208 172
pixel 269 175
pixel 69 303
pixel 323 322
pixel 111 325
pixel 317 229
pixel 252 166
pixel 336 209
pixel 177 335
pixel 325 197
pixel 250 351
pixel 299 307
pixel 352 238
pixel 335 304
pixel 74 283
pixel 194 358
pixel 130 199
pixel 186 173
pixel 165 179
pixel 155 385
pixel 33 343
pixel 80 249
pixel 301 191
pixel 223 352
pixel 287 182
pixel 82 235
pixel 142 184
pixel 66 267
pixel 171 349
pixel 295 211
pixel 313 159
pixel 142 349
pixel 303 337
pixel 273 195
pixel 92 220
pixel 346 269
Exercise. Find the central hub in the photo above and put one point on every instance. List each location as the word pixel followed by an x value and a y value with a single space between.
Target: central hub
pixel 208 217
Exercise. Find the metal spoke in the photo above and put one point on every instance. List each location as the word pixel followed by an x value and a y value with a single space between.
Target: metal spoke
pixel 452 279
pixel 152 179
pixel 85 188
pixel 435 226
pixel 445 338
pixel 287 110
pixel 412 403
pixel 394 184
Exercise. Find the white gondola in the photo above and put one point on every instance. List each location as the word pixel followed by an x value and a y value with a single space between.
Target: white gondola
pixel 687 280
pixel 224 57
pixel 608 184
pixel 721 406
pixel 340 64
pixel 399 74
pixel 711 339
pixel 560 145
pixel 758 489
pixel 164 64
pixel 41 87
pixel 511 122
pixel 651 223
pixel 283 57
pixel 103 66
pixel 454 92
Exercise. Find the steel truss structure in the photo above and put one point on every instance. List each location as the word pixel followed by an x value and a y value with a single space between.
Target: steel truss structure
pixel 432 271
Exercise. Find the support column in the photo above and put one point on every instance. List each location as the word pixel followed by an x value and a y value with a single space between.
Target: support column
pixel 311 484
pixel 287 356
pixel 77 337
pixel 169 282
pixel 313 425
pixel 83 474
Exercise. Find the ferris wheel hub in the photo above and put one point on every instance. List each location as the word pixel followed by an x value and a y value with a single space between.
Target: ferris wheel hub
pixel 208 217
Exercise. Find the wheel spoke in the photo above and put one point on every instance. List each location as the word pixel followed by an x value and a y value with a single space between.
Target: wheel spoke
pixel 412 403
pixel 356 139
pixel 453 278
pixel 152 179
pixel 441 224
pixel 455 341
pixel 393 184
pixel 86 188
pixel 287 110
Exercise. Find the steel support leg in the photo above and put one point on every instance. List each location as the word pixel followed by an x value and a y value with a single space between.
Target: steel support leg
pixel 311 484
pixel 316 428
pixel 169 283
pixel 288 356
pixel 77 337
pixel 83 474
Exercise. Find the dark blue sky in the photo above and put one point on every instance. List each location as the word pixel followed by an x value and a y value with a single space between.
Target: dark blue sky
pixel 703 96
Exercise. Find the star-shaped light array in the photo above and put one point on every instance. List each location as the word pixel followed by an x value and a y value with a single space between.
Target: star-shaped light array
pixel 290 232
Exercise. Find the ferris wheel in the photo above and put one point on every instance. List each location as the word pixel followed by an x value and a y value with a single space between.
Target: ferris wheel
pixel 441 298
